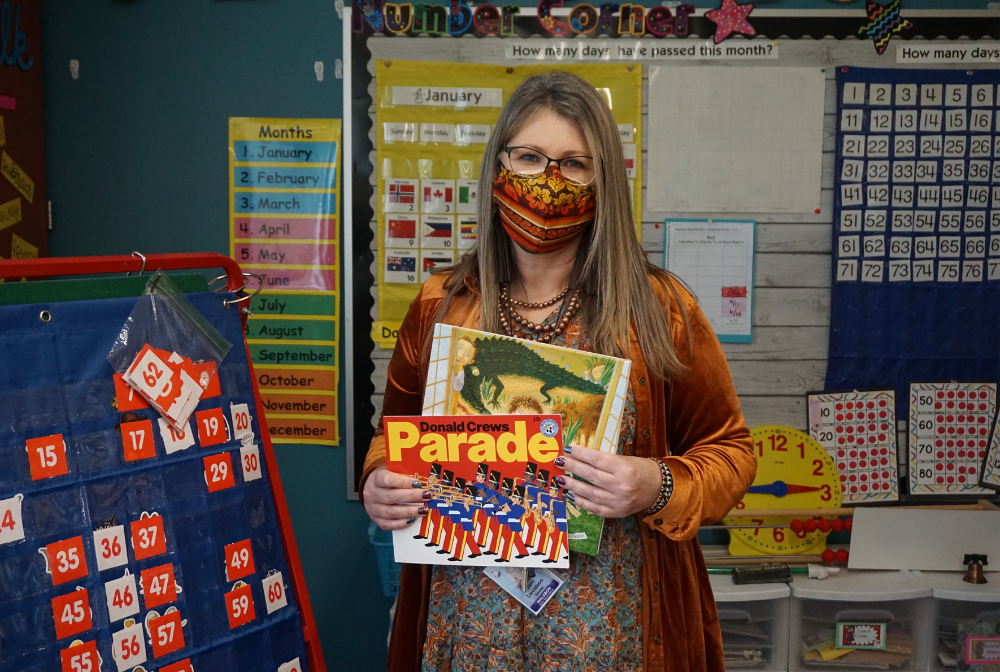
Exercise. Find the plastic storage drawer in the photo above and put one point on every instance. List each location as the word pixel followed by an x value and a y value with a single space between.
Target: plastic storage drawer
pixel 754 622
pixel 961 610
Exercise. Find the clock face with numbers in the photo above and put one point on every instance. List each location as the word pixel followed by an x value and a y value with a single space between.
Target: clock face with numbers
pixel 793 472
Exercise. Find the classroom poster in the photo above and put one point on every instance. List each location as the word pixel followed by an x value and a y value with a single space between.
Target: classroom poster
pixel 284 190
pixel 24 207
pixel 432 124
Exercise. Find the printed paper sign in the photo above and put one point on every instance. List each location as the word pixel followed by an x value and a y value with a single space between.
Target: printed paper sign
pixel 175 439
pixel 182 666
pixel 137 440
pixel 542 585
pixel 71 613
pixel 67 560
pixel 291 666
pixel 126 396
pixel 122 597
pixel 437 232
pixel 468 196
pixel 78 657
pixel 129 647
pixel 274 592
pixel 860 636
pixel 401 266
pixel 250 459
pixel 212 427
pixel 467 231
pixel 109 545
pixel 148 538
pixel 158 585
pixel 429 261
pixel 437 196
pixel 447 96
pixel 401 230
pixel 493 484
pixel 239 560
pixel 240 604
pixel 241 420
pixel 219 472
pixel 47 457
pixel 400 195
pixel 11 527
pixel 166 633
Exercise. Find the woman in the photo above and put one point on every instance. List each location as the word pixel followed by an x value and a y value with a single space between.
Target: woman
pixel 558 260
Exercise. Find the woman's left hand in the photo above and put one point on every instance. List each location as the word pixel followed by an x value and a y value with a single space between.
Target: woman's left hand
pixel 618 485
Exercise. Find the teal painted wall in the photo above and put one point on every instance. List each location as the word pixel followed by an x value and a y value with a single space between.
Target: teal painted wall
pixel 137 160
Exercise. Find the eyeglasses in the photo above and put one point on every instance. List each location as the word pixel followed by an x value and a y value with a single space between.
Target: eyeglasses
pixel 527 161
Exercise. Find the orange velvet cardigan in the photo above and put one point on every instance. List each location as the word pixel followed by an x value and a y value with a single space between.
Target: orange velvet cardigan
pixel 694 424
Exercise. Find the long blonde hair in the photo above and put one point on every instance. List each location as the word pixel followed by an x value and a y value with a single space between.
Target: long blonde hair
pixel 611 268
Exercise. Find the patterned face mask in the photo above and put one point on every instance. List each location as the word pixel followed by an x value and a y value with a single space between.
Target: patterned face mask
pixel 543 213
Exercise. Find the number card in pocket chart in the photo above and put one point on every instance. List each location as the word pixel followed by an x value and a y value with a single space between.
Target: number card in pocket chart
pixel 949 436
pixel 858 430
pixel 128 543
pixel 916 263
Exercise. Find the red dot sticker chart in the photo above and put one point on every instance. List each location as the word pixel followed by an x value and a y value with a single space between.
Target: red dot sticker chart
pixel 858 430
pixel 949 427
pixel 113 533
pixel 991 463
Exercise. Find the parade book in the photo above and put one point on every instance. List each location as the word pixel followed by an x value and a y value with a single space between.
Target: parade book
pixel 494 497
pixel 474 373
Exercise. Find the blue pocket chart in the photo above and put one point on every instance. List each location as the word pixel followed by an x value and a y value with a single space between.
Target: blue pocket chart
pixel 916 231
pixel 114 565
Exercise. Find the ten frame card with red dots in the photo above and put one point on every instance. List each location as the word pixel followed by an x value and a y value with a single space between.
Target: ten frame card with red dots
pixel 991 463
pixel 948 435
pixel 858 430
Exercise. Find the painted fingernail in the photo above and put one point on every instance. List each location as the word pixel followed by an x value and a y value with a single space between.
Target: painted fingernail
pixel 561 480
pixel 410 520
pixel 423 510
pixel 416 484
pixel 560 462
pixel 427 494
pixel 570 496
pixel 567 449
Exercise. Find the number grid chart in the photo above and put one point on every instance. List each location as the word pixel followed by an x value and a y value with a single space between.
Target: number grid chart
pixel 948 436
pixel 171 559
pixel 857 428
pixel 991 463
pixel 916 260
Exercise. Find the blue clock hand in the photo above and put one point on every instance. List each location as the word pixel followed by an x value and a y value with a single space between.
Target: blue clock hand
pixel 778 489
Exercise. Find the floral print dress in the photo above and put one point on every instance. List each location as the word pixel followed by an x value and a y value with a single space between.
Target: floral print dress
pixel 592 624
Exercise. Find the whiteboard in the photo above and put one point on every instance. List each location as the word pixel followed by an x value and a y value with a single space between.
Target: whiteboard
pixel 730 139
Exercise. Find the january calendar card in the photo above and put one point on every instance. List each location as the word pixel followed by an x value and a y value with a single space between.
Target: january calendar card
pixel 716 260
pixel 858 430
pixel 948 436
pixel 991 463
pixel 494 496
pixel 474 373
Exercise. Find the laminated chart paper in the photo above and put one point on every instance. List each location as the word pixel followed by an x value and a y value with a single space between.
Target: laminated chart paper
pixel 858 430
pixel 732 139
pixel 475 373
pixel 991 463
pixel 284 193
pixel 716 260
pixel 948 437
pixel 495 500
pixel 431 127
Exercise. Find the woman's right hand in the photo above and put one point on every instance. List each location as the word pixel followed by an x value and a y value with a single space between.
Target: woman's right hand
pixel 392 500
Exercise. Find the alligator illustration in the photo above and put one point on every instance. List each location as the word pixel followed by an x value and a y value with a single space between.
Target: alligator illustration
pixel 497 357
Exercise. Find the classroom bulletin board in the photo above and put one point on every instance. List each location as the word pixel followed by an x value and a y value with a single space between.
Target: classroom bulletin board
pixel 284 191
pixel 432 124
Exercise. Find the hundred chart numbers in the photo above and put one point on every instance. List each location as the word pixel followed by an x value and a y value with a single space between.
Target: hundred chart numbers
pixel 858 430
pixel 916 261
pixel 949 435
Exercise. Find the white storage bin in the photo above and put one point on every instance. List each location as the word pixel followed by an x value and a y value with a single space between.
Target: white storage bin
pixel 960 608
pixel 754 621
pixel 898 599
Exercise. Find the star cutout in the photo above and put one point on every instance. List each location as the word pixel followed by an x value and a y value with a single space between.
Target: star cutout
pixel 884 22
pixel 731 18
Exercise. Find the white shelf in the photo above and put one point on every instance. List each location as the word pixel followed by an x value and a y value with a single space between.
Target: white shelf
pixel 727 591
pixel 861 586
pixel 950 586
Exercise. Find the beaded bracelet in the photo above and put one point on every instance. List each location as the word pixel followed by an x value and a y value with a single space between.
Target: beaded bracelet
pixel 666 487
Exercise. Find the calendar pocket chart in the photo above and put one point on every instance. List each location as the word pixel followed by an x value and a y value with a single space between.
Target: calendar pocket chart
pixel 916 229
pixel 949 426
pixel 123 539
pixel 858 430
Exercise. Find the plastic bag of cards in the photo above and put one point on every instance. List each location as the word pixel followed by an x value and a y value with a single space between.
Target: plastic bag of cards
pixel 167 351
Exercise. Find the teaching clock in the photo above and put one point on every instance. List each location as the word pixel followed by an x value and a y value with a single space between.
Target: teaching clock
pixel 793 472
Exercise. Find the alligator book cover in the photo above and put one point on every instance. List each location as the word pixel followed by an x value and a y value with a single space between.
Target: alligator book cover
pixel 494 501
pixel 477 373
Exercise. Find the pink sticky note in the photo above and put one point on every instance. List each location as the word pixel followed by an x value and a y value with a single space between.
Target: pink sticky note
pixel 8 103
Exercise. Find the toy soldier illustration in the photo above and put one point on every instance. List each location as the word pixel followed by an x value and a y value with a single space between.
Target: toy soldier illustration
pixel 433 484
pixel 515 511
pixel 465 530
